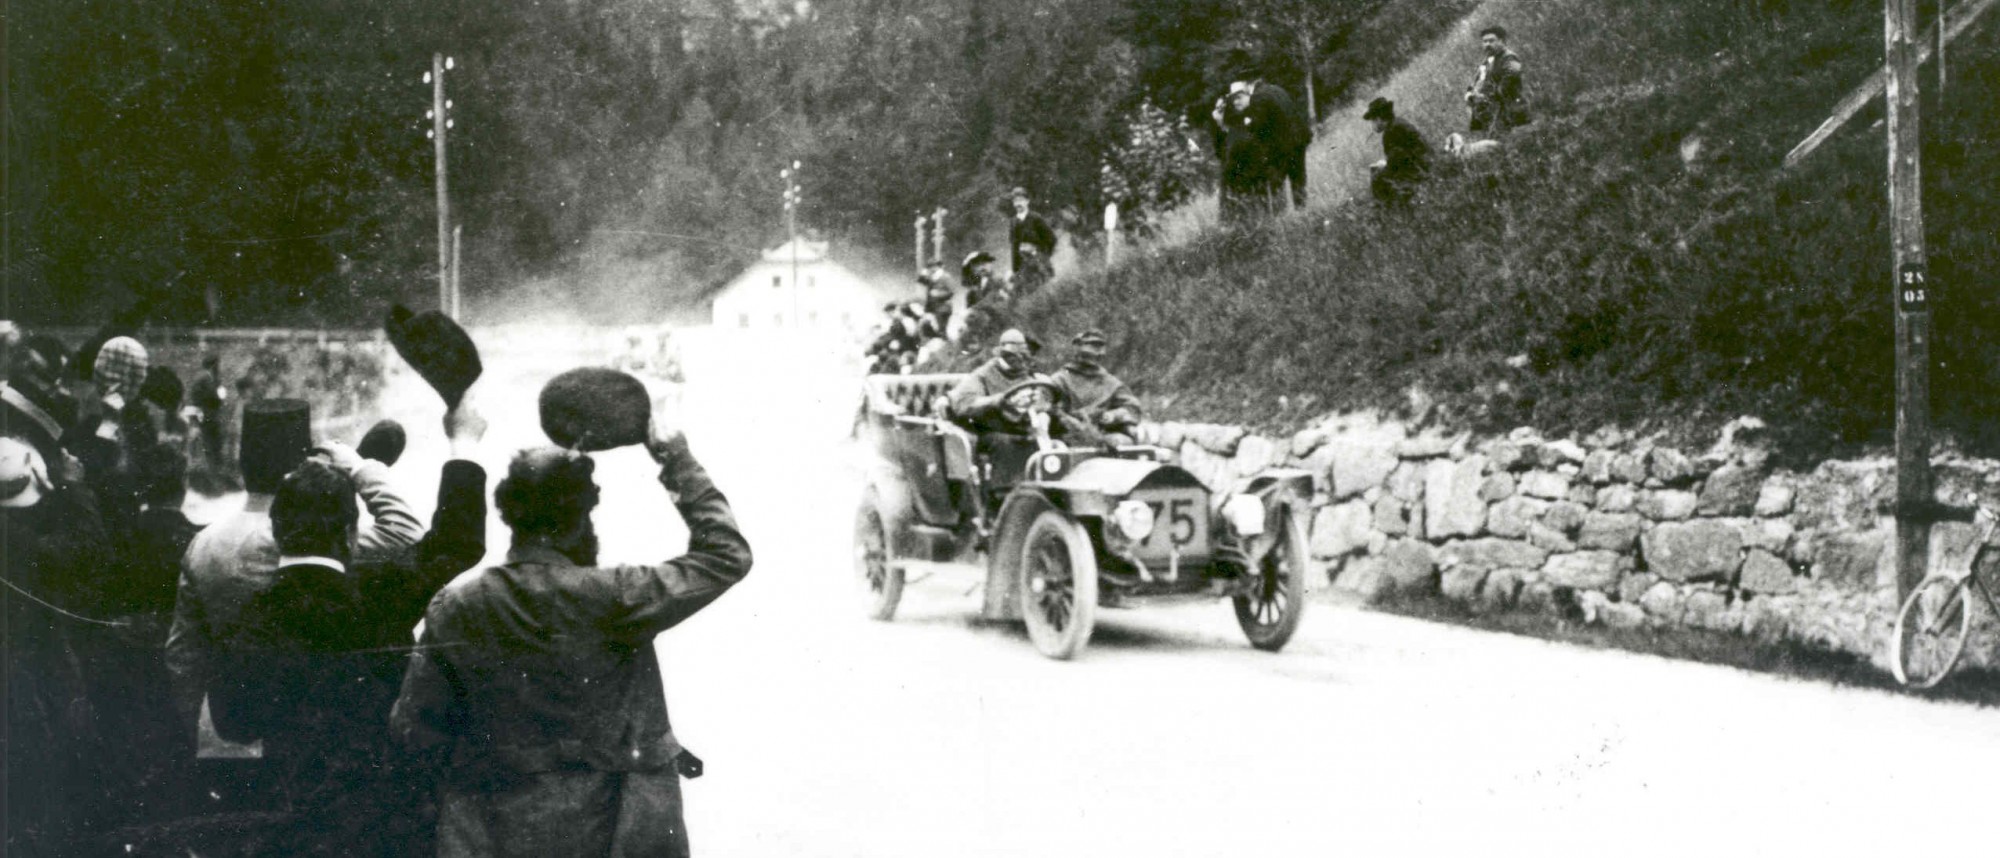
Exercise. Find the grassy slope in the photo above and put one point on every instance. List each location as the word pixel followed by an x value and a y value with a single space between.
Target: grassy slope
pixel 1643 291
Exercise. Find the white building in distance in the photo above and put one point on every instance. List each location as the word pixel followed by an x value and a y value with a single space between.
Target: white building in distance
pixel 825 296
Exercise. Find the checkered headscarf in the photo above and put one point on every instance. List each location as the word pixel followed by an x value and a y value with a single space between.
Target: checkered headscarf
pixel 120 366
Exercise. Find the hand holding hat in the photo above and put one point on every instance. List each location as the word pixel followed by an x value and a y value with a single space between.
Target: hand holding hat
pixel 437 348
pixel 596 408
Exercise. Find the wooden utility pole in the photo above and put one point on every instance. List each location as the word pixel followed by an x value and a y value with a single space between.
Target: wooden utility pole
pixel 457 236
pixel 1911 295
pixel 439 123
pixel 920 243
pixel 791 177
pixel 937 232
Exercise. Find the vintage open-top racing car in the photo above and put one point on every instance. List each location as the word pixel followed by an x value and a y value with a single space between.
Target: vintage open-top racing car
pixel 1059 531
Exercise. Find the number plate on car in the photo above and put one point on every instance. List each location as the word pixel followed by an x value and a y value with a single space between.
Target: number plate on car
pixel 1180 523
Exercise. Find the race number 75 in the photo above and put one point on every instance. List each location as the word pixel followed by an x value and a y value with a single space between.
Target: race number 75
pixel 1179 516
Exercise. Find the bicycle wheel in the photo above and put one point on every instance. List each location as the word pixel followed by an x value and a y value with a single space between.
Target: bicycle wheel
pixel 1930 632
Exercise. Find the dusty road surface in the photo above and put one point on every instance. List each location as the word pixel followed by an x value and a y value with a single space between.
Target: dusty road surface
pixel 830 735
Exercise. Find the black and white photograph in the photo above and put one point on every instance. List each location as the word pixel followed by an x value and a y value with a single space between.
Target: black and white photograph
pixel 1055 428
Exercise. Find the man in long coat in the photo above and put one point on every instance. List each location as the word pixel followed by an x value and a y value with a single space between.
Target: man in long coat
pixel 1263 136
pixel 1033 244
pixel 1406 158
pixel 536 680
pixel 1094 395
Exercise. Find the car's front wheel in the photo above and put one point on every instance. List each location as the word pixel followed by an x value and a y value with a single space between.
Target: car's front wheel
pixel 1058 585
pixel 882 582
pixel 1270 612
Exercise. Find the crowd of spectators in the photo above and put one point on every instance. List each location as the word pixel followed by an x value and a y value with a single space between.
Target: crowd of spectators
pixel 237 687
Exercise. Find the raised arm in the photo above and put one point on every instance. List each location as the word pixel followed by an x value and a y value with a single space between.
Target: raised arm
pixel 652 599
pixel 396 526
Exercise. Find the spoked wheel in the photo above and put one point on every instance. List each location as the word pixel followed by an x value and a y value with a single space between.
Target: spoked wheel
pixel 883 583
pixel 1058 585
pixel 1270 614
pixel 1930 632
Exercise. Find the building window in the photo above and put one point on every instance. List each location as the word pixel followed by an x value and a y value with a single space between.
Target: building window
pixel 812 280
pixel 742 320
pixel 777 320
pixel 777 282
pixel 812 318
pixel 847 320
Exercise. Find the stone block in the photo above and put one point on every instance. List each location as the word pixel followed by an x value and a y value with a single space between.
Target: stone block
pixel 1565 516
pixel 1548 538
pixel 1610 531
pixel 1763 572
pixel 1451 497
pixel 1169 435
pixel 1497 487
pixel 1411 565
pixel 1617 498
pixel 1461 583
pixel 1669 466
pixel 1356 465
pixel 1367 577
pixel 1512 516
pixel 1406 481
pixel 1394 517
pixel 1501 589
pixel 1707 609
pixel 1424 447
pixel 1585 570
pixel 1216 472
pixel 1597 466
pixel 1508 456
pixel 1216 438
pixel 1581 493
pixel 1491 553
pixel 1305 441
pixel 1540 597
pixel 1770 534
pixel 1693 551
pixel 1341 529
pixel 1563 452
pixel 1628 468
pixel 1774 499
pixel 1662 600
pixel 1547 485
pixel 1849 559
pixel 1254 453
pixel 1633 586
pixel 1667 504
pixel 1731 490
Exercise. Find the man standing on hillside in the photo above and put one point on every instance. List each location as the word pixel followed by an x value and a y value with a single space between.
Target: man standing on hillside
pixel 1033 244
pixel 1406 158
pixel 1495 97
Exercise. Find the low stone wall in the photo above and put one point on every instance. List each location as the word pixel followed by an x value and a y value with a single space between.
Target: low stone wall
pixel 1610 528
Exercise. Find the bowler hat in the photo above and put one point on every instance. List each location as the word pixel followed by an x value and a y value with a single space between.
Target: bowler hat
pixel 437 348
pixel 277 435
pixel 1380 108
pixel 595 408
pixel 974 258
pixel 384 442
pixel 1091 336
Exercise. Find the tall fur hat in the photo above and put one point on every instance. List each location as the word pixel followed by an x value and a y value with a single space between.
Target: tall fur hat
pixel 595 408
pixel 277 435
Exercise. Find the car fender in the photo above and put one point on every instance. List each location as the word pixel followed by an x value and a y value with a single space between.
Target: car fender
pixel 1003 563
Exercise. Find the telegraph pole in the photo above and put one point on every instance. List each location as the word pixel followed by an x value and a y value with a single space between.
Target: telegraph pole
pixel 439 124
pixel 920 243
pixel 791 177
pixel 1912 298
pixel 937 232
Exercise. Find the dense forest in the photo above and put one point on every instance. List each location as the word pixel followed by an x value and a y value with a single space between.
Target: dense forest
pixel 256 161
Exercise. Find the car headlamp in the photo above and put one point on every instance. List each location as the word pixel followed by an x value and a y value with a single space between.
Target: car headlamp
pixel 1134 519
pixel 1245 514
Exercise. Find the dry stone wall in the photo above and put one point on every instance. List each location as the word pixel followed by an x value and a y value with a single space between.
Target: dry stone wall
pixel 1609 528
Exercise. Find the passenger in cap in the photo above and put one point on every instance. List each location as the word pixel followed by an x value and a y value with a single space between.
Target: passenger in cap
pixel 1094 395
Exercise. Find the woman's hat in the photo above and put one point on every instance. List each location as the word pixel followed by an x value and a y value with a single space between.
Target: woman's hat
pixel 1380 108
pixel 595 408
pixel 277 435
pixel 437 348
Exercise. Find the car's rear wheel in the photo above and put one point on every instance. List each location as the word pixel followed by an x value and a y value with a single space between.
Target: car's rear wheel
pixel 1058 585
pixel 882 582
pixel 1270 612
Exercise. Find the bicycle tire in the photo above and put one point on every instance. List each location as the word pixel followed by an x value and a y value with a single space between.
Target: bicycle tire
pixel 1931 630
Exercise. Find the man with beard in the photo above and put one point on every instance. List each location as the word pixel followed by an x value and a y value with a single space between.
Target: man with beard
pixel 1495 98
pixel 537 680
pixel 1094 395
